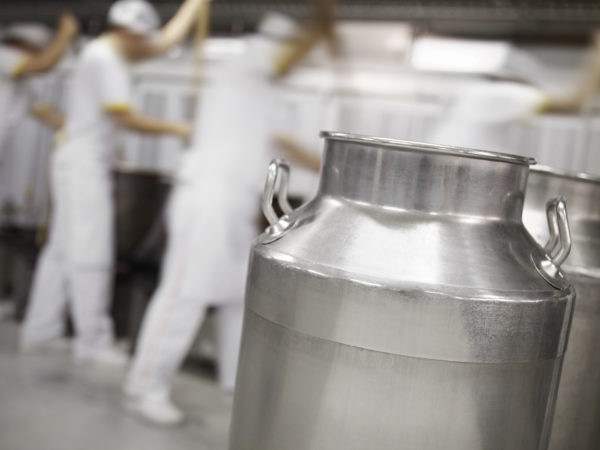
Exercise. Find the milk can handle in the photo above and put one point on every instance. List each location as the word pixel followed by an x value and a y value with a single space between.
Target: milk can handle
pixel 558 246
pixel 278 171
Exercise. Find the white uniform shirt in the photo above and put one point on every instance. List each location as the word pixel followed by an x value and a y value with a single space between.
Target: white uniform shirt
pixel 232 130
pixel 101 83
pixel 18 98
pixel 481 117
pixel 16 94
pixel 241 111
pixel 216 202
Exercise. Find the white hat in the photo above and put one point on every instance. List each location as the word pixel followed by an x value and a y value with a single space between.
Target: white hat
pixel 278 26
pixel 138 16
pixel 30 33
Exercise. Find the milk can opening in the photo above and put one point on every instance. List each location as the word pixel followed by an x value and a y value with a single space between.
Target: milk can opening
pixel 411 146
pixel 421 177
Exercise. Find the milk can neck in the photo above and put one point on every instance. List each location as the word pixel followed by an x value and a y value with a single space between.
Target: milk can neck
pixel 425 178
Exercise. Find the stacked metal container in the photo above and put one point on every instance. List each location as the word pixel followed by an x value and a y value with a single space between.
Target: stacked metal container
pixel 577 417
pixel 405 306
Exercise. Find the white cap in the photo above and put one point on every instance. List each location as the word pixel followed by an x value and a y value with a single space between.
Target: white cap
pixel 138 16
pixel 34 34
pixel 278 26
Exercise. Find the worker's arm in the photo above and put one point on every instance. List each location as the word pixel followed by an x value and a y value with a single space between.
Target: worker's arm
pixel 322 27
pixel 48 115
pixel 297 153
pixel 50 56
pixel 141 123
pixel 176 29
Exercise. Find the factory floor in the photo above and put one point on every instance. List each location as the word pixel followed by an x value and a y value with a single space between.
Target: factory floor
pixel 49 403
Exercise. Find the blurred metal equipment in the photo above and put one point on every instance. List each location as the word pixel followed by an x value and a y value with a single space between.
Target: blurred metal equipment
pixel 5 263
pixel 405 306
pixel 577 416
pixel 18 255
pixel 140 199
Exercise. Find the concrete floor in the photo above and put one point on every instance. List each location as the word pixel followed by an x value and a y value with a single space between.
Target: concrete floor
pixel 47 402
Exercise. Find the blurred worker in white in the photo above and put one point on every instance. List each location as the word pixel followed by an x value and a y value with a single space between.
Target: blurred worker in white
pixel 27 50
pixel 481 115
pixel 587 88
pixel 212 222
pixel 76 263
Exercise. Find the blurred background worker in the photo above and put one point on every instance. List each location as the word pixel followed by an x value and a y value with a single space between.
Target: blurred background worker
pixel 481 113
pixel 76 263
pixel 212 221
pixel 480 117
pixel 26 50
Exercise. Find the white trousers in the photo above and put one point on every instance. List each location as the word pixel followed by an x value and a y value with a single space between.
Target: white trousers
pixel 169 328
pixel 179 305
pixel 55 287
pixel 75 267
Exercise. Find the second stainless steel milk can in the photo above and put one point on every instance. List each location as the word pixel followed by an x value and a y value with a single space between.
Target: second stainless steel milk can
pixel 404 307
pixel 577 417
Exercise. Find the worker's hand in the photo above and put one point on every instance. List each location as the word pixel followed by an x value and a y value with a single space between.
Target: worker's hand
pixel 184 131
pixel 68 25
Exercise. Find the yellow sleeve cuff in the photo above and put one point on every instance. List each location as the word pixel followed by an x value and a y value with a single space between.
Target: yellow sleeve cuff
pixel 40 109
pixel 19 68
pixel 117 107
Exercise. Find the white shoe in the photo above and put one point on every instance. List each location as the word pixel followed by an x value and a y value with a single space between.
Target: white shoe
pixel 108 356
pixel 158 410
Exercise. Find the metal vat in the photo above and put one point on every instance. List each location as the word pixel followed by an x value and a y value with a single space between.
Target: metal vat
pixel 140 198
pixel 577 417
pixel 140 201
pixel 405 306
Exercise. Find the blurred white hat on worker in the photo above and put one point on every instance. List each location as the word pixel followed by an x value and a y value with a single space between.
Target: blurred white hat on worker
pixel 33 34
pixel 137 16
pixel 278 26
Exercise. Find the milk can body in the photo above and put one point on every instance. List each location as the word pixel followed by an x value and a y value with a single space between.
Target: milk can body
pixel 577 417
pixel 405 306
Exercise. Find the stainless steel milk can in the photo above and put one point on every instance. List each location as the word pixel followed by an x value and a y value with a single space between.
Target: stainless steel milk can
pixel 577 417
pixel 404 307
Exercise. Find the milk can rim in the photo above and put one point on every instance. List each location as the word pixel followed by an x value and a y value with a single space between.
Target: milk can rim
pixel 577 176
pixel 426 147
